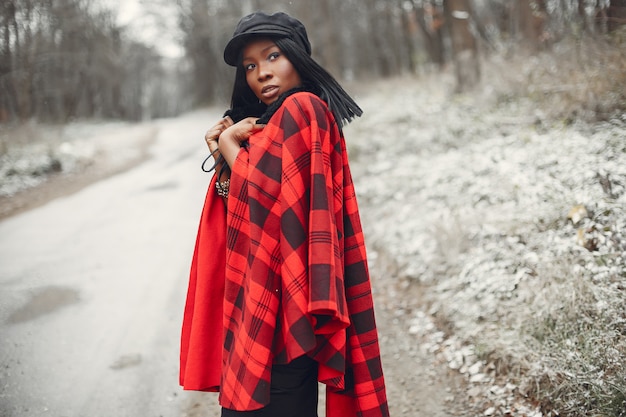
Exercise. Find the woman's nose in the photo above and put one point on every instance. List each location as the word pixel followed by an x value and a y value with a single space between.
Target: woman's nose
pixel 264 73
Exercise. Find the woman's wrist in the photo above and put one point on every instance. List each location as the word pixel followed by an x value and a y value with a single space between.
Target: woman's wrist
pixel 222 187
pixel 228 147
pixel 213 145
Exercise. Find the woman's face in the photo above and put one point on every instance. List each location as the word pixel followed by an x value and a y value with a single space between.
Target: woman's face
pixel 268 72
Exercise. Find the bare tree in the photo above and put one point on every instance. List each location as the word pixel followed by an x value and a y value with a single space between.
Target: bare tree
pixel 616 14
pixel 464 45
pixel 64 59
pixel 431 22
pixel 9 53
pixel 582 14
pixel 408 35
pixel 532 19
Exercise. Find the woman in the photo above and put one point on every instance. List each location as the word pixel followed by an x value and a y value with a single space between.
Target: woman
pixel 279 295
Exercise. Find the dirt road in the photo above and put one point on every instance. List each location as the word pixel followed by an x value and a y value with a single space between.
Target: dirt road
pixel 93 286
pixel 92 292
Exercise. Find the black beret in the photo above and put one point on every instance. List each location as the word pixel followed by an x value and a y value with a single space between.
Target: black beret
pixel 261 24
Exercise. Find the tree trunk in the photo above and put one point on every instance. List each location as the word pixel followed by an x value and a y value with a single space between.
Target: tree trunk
pixel 379 65
pixel 380 39
pixel 532 20
pixel 600 18
pixel 480 28
pixel 330 38
pixel 464 45
pixel 430 20
pixel 394 30
pixel 22 71
pixel 7 89
pixel 409 27
pixel 582 15
pixel 616 15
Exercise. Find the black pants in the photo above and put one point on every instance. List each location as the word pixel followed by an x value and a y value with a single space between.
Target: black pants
pixel 293 392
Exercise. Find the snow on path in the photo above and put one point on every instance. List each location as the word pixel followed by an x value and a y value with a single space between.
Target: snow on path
pixel 93 286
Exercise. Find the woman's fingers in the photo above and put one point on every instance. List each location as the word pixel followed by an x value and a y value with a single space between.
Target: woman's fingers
pixel 213 134
pixel 240 131
pixel 253 126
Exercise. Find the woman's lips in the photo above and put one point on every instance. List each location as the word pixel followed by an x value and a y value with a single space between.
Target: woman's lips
pixel 269 91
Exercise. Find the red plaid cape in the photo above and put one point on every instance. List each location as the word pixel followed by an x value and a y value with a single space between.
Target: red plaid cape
pixel 285 272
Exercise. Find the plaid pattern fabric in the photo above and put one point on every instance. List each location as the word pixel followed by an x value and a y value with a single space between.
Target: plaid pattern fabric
pixel 296 279
pixel 296 275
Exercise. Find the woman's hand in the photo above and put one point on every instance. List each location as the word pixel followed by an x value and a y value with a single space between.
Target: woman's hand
pixel 230 139
pixel 212 135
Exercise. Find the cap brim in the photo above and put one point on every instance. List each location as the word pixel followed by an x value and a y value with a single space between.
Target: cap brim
pixel 237 43
pixel 233 49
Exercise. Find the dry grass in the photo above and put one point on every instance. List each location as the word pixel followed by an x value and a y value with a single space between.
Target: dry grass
pixel 577 334
pixel 571 352
pixel 570 355
pixel 574 80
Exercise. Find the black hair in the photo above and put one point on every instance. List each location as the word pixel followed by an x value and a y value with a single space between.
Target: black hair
pixel 315 79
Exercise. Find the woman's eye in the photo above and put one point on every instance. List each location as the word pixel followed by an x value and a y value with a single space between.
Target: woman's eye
pixel 273 56
pixel 249 67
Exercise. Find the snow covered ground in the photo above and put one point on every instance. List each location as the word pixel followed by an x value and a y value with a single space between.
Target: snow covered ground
pixel 514 225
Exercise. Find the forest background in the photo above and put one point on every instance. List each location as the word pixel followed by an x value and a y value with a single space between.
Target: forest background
pixel 68 60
